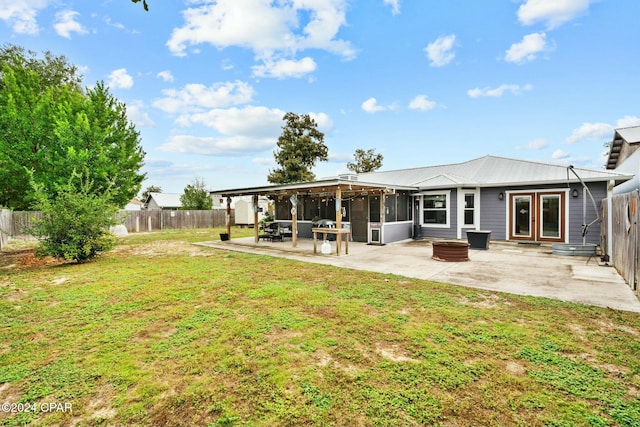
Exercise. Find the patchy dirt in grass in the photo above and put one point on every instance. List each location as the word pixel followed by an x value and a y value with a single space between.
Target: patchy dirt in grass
pixel 163 248
pixel 394 353
pixel 515 368
pixel 10 395
pixel 607 325
pixel 484 301
pixel 324 359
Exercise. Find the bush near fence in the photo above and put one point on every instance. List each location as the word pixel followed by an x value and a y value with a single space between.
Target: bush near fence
pixel 14 224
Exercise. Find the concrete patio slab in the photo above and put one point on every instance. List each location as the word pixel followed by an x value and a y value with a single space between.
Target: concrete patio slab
pixel 505 267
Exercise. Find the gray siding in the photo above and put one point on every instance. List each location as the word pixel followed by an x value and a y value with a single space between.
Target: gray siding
pixel 449 232
pixel 599 192
pixel 493 212
pixel 395 231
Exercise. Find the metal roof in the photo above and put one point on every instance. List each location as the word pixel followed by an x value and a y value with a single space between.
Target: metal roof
pixel 630 134
pixel 489 171
pixel 166 200
pixel 346 185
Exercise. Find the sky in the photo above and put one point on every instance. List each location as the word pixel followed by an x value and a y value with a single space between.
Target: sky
pixel 422 82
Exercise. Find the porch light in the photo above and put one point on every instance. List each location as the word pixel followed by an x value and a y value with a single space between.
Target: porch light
pixel 501 196
pixel 574 193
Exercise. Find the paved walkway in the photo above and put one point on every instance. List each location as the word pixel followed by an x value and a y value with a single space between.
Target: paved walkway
pixel 505 267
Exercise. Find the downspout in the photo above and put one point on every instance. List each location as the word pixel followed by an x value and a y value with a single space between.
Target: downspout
pixel 585 227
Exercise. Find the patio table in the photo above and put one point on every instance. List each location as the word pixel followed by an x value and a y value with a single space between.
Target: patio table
pixel 338 232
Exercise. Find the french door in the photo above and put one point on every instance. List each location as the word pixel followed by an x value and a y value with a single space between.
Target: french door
pixel 537 216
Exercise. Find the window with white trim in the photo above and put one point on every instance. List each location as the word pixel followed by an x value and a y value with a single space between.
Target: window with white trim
pixel 435 209
pixel 469 208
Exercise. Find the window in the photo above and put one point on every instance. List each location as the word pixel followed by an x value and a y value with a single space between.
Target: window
pixel 390 208
pixel 435 209
pixel 309 208
pixel 469 208
pixel 374 209
pixel 283 209
pixel 404 207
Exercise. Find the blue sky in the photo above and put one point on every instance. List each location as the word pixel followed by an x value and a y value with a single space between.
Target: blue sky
pixel 422 82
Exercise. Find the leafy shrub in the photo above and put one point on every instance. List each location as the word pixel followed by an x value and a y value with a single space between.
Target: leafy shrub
pixel 75 223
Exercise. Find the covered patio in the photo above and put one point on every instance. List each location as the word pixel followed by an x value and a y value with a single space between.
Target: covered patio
pixel 353 207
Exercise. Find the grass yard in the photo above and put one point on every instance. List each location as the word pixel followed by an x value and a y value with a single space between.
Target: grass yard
pixel 160 332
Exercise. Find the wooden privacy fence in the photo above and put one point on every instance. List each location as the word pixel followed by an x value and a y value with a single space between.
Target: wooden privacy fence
pixel 625 215
pixel 137 221
pixel 15 224
pixel 5 221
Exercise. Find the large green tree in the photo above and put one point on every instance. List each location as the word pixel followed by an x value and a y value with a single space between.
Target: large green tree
pixel 50 127
pixel 365 161
pixel 300 146
pixel 196 196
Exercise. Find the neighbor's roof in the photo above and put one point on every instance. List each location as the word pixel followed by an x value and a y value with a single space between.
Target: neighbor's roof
pixel 488 171
pixel 166 200
pixel 630 134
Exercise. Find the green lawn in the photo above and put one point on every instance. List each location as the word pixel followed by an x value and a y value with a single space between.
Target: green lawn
pixel 162 332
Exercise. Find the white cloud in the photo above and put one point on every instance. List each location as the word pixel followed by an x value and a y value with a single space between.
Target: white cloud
pixel 212 146
pixel 395 6
pixel 227 64
pixel 275 31
pixel 165 75
pixel 251 121
pixel 136 113
pixel 527 49
pixel 537 144
pixel 499 91
pixel 628 121
pixel 66 24
pixel 371 106
pixel 440 51
pixel 553 12
pixel 198 97
pixel 600 131
pixel 559 155
pixel 285 68
pixel 421 102
pixel 120 79
pixel 591 131
pixel 323 120
pixel 21 15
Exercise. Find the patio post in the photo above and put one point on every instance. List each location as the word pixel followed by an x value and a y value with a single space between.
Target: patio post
pixel 256 226
pixel 228 217
pixel 338 207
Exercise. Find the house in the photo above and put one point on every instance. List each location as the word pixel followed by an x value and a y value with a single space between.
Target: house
pixel 133 205
pixel 624 157
pixel 517 200
pixel 163 201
